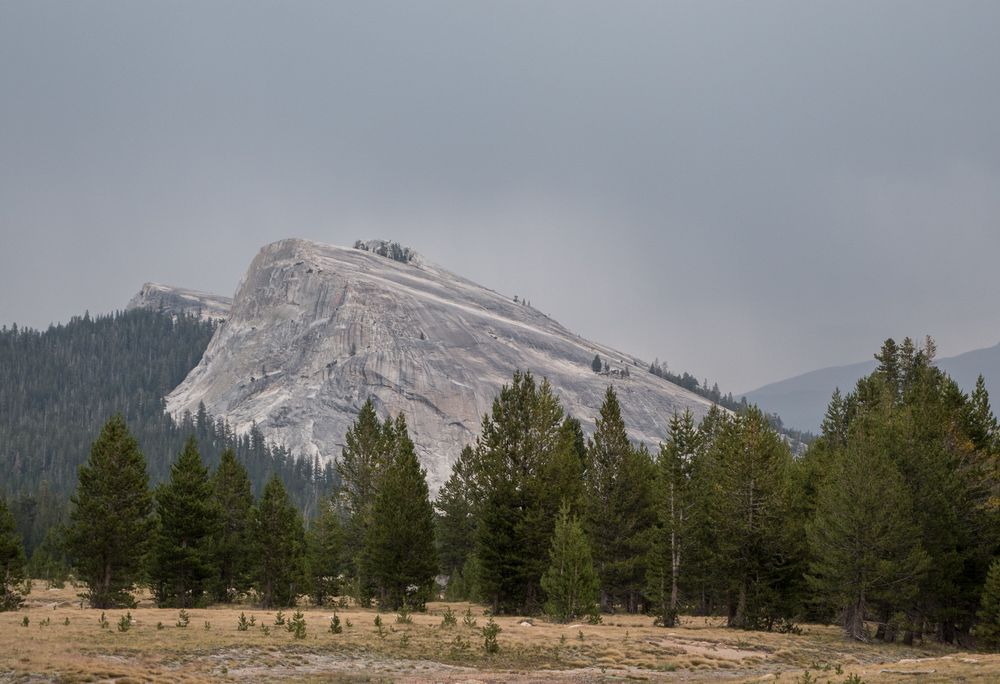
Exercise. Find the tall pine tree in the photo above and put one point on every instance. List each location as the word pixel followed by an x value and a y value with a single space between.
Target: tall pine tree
pixel 187 524
pixel 620 509
pixel 110 521
pixel 233 495
pixel 279 547
pixel 399 553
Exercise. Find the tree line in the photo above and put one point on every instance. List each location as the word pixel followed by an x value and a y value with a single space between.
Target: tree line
pixel 58 386
pixel 888 524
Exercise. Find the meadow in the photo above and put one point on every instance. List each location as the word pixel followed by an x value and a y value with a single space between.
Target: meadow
pixel 55 639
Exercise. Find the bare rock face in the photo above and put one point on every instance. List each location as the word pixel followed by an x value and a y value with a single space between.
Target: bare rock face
pixel 315 330
pixel 176 300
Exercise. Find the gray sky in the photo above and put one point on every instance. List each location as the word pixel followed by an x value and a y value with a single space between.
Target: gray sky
pixel 745 189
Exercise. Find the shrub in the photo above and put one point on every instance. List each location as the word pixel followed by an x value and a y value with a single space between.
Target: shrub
pixel 335 627
pixel 125 622
pixel 183 619
pixel 297 625
pixel 449 619
pixel 490 632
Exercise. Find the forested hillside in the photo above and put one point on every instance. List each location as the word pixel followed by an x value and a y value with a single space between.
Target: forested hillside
pixel 59 386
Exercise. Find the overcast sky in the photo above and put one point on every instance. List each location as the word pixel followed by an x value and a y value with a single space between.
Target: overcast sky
pixel 746 190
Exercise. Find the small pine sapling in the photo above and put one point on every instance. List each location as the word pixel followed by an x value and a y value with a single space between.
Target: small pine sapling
pixel 490 632
pixel 279 619
pixel 242 625
pixel 469 619
pixel 103 621
pixel 335 627
pixel 125 622
pixel 297 625
pixel 183 619
pixel 449 619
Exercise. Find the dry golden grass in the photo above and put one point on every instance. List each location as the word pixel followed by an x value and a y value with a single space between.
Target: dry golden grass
pixel 64 642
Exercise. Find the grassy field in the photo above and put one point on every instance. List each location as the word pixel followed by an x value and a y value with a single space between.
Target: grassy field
pixel 64 642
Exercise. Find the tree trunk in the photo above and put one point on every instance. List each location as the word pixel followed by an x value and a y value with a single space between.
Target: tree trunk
pixel 854 621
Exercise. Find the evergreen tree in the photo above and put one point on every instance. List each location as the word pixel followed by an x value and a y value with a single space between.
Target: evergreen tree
pixel 279 547
pixel 233 496
pixel 399 554
pixel 188 522
pixel 12 563
pixel 361 465
pixel 865 546
pixel 597 365
pixel 110 521
pixel 835 421
pixel 325 542
pixel 523 443
pixel 980 423
pixel 673 499
pixel 750 508
pixel 988 629
pixel 621 512
pixel 456 524
pixel 570 582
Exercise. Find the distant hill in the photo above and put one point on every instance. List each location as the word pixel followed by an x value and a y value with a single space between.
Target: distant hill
pixel 801 400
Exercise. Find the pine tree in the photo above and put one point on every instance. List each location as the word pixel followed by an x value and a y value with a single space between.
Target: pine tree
pixel 279 547
pixel 835 421
pixel 980 423
pixel 674 502
pixel 523 442
pixel 865 546
pixel 620 509
pixel 361 465
pixel 12 563
pixel 188 523
pixel 570 582
pixel 325 542
pixel 399 553
pixel 750 480
pixel 988 628
pixel 233 496
pixel 110 522
pixel 597 365
pixel 456 524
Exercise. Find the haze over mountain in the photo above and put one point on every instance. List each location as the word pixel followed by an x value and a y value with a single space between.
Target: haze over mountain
pixel 315 330
pixel 801 400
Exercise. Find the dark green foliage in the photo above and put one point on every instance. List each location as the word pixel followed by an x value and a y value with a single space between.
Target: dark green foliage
pixel 522 453
pixel 58 387
pixel 570 582
pixel 361 465
pixel 942 445
pixel 865 545
pixel 755 536
pixel 233 499
pixel 12 563
pixel 988 628
pixel 188 520
pixel 110 521
pixel 620 509
pixel 279 546
pixel 597 365
pixel 456 524
pixel 674 506
pixel 325 553
pixel 399 552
